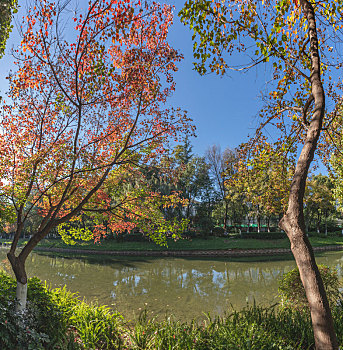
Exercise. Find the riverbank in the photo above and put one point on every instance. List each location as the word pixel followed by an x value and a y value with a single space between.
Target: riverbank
pixel 56 318
pixel 209 247
pixel 186 253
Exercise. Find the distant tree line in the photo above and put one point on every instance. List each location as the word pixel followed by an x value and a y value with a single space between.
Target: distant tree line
pixel 223 191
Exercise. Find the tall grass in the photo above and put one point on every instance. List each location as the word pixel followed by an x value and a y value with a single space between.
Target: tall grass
pixel 93 326
pixel 59 320
pixel 253 328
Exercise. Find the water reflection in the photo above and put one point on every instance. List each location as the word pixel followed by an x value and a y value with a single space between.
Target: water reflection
pixel 185 287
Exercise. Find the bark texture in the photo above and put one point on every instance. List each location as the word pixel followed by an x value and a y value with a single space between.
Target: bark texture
pixel 21 296
pixel 18 266
pixel 293 221
pixel 226 215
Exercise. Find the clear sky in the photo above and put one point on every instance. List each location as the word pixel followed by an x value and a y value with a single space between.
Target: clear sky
pixel 223 108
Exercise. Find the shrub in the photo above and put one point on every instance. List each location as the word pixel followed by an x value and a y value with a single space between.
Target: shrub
pixel 292 292
pixel 218 231
pixel 39 327
pixel 264 235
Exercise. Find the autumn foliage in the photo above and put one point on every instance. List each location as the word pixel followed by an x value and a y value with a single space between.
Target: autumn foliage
pixel 300 43
pixel 89 109
pixel 263 176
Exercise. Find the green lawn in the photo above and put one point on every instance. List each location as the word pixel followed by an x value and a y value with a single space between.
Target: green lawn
pixel 198 243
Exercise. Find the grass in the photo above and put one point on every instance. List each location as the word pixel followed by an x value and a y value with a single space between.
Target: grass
pixel 211 243
pixel 323 241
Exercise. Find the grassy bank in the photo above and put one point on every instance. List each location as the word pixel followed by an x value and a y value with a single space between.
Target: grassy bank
pixel 211 243
pixel 57 320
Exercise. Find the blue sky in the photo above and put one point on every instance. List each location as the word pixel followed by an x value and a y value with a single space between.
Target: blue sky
pixel 224 109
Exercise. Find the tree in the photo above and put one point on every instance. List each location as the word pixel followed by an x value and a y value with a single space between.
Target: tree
pixel 7 8
pixel 222 167
pixel 319 199
pixel 203 190
pixel 193 181
pixel 264 176
pixel 86 113
pixel 297 38
pixel 183 153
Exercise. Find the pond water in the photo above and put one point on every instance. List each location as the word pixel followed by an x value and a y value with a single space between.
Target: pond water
pixel 187 288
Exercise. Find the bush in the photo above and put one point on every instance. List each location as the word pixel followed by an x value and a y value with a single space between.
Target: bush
pixel 292 292
pixel 54 319
pixel 323 235
pixel 189 234
pixel 203 224
pixel 218 231
pixel 264 235
pixel 39 327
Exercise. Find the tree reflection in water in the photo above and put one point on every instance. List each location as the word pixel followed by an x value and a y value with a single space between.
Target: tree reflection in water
pixel 185 287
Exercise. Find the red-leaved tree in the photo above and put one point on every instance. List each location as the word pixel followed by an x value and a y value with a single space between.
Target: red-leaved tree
pixel 88 110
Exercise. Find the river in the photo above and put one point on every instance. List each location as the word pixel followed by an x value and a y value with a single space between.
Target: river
pixel 186 288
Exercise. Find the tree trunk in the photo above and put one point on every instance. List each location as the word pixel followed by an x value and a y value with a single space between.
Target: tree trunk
pixel 318 222
pixel 293 221
pixel 268 224
pixel 18 267
pixel 226 214
pixel 308 224
pixel 188 211
pixel 18 262
pixel 326 223
pixel 258 221
pixel 322 322
pixel 21 296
